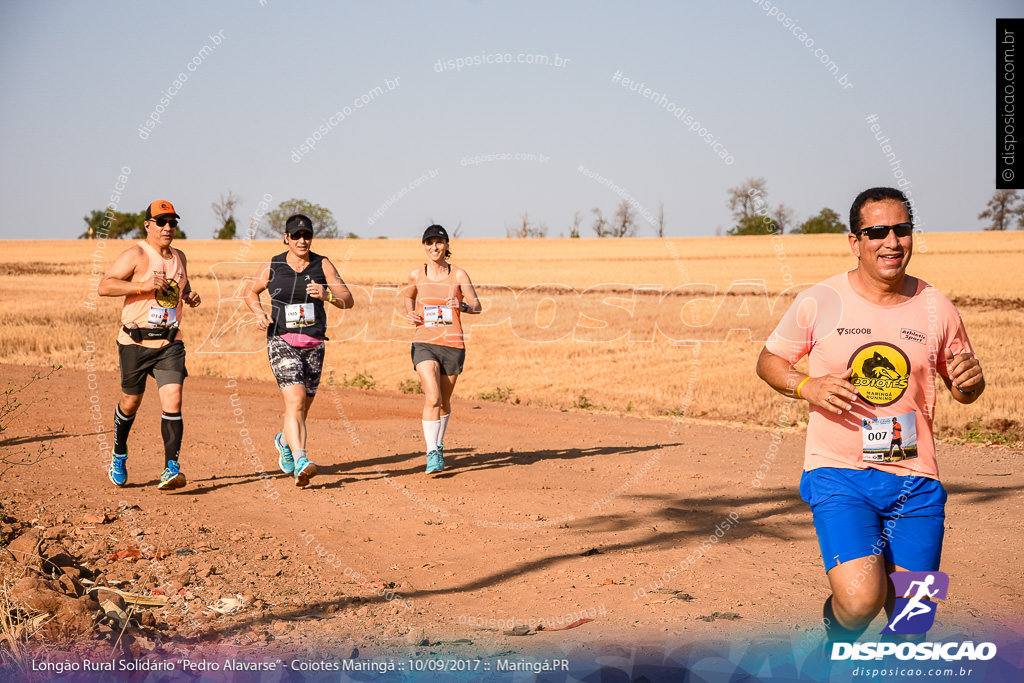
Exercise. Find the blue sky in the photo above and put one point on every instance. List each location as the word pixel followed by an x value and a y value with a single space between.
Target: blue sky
pixel 80 79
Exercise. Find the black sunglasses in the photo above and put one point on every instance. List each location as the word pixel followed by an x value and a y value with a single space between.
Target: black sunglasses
pixel 880 232
pixel 301 236
pixel 161 222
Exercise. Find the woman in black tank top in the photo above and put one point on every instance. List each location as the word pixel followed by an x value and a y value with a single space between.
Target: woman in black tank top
pixel 301 284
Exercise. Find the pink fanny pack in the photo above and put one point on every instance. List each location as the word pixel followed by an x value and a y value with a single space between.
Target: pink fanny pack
pixel 300 341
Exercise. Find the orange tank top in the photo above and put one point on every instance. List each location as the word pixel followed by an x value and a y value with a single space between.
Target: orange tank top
pixel 442 324
pixel 155 309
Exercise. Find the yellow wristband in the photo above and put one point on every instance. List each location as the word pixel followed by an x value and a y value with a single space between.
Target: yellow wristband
pixel 139 290
pixel 800 385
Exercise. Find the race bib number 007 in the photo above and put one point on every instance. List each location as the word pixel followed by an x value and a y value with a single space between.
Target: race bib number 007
pixel 889 439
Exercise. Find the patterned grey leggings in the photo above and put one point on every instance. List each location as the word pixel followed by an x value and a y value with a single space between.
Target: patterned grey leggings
pixel 293 365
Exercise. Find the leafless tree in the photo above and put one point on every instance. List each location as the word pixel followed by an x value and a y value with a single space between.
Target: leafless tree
pixel 224 210
pixel 625 221
pixel 661 219
pixel 525 230
pixel 518 231
pixel 600 226
pixel 574 231
pixel 746 199
pixel 783 217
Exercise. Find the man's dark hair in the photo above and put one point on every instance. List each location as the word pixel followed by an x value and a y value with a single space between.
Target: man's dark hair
pixel 876 194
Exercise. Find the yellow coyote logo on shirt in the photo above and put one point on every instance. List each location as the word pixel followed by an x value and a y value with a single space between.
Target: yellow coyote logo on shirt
pixel 169 297
pixel 881 373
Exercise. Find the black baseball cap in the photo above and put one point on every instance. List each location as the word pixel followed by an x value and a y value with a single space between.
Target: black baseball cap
pixel 435 231
pixel 298 223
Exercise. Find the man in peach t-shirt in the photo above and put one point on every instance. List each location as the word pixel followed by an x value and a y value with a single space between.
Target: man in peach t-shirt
pixel 152 277
pixel 876 339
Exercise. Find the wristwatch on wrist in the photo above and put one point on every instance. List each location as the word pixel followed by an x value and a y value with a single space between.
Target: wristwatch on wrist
pixel 464 307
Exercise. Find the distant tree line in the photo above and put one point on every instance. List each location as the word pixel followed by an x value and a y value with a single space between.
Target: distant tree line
pixel 748 203
pixel 111 224
pixel 623 223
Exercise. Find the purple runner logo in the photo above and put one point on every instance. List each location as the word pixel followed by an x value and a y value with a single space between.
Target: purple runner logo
pixel 915 592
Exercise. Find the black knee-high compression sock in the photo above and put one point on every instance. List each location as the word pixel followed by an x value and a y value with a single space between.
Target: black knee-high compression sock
pixel 836 632
pixel 171 429
pixel 122 426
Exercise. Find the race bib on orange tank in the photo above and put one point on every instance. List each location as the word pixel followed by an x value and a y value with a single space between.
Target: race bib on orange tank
pixel 165 314
pixel 162 317
pixel 437 316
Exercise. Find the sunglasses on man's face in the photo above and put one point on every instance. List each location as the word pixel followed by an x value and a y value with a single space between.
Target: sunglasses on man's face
pixel 301 236
pixel 161 222
pixel 880 232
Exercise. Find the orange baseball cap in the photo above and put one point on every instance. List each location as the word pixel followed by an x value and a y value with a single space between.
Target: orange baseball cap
pixel 160 207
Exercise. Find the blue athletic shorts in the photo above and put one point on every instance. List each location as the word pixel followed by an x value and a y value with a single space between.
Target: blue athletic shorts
pixel 859 513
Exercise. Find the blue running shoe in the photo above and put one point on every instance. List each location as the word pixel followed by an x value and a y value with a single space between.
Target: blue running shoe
pixel 118 471
pixel 172 478
pixel 284 454
pixel 435 461
pixel 304 471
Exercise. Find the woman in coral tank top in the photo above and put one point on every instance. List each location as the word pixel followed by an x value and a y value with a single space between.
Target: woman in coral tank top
pixel 437 296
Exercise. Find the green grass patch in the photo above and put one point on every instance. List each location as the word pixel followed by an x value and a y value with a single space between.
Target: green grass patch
pixel 410 386
pixel 500 394
pixel 977 433
pixel 584 403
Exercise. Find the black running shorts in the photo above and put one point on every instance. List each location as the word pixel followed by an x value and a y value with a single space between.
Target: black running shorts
pixel 166 365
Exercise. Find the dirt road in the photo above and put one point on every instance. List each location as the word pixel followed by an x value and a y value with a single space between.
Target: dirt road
pixel 652 528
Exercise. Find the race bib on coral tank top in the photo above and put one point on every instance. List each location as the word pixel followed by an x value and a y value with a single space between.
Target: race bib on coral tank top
pixel 437 316
pixel 162 317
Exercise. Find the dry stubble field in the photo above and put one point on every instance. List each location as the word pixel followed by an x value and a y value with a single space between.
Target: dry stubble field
pixel 642 326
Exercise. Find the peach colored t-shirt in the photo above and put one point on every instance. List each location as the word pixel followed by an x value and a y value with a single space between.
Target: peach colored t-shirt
pixel 895 353
pixel 155 309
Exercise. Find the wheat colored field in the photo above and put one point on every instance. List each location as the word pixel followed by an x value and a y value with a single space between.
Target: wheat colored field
pixel 644 326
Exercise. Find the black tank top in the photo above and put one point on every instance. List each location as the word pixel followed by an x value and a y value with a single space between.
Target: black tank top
pixel 294 311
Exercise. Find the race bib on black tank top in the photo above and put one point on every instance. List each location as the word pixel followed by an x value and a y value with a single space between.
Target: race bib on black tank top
pixel 294 311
